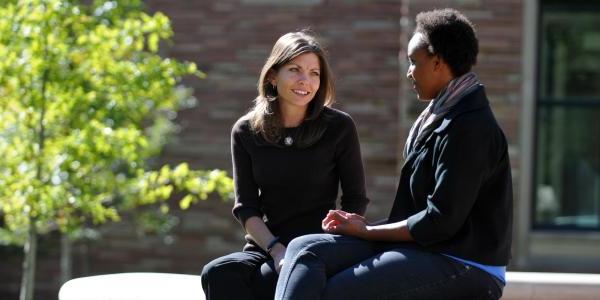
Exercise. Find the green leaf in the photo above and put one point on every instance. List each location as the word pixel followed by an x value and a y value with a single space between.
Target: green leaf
pixel 185 202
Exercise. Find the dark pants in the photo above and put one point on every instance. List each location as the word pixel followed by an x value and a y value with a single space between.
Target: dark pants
pixel 323 266
pixel 242 275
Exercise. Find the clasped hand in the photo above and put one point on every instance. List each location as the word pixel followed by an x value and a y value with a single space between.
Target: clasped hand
pixel 341 222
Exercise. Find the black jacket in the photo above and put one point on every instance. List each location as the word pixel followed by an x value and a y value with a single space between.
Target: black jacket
pixel 455 186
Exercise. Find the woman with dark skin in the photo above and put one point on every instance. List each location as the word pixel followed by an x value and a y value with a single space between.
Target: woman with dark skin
pixel 290 154
pixel 448 235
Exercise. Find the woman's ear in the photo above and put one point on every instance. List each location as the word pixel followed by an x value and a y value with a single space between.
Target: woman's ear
pixel 440 65
pixel 271 78
pixel 437 62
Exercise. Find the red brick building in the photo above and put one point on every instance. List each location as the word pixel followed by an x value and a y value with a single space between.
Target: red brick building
pixel 528 82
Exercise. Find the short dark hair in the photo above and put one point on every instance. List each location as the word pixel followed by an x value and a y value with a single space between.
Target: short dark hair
pixel 450 35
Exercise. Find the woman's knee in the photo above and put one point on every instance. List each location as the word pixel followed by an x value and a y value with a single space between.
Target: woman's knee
pixel 211 270
pixel 307 242
pixel 224 268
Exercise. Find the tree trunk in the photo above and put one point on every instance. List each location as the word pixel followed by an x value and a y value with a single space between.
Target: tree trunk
pixel 66 263
pixel 30 251
pixel 30 248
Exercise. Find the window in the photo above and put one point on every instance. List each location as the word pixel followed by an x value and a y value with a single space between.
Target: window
pixel 567 167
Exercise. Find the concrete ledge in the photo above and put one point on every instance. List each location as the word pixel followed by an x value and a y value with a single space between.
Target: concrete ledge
pixel 151 286
pixel 551 286
pixel 130 286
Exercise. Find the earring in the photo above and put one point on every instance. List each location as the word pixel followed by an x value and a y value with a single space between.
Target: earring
pixel 272 94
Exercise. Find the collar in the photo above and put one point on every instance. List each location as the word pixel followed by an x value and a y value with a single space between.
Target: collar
pixel 473 101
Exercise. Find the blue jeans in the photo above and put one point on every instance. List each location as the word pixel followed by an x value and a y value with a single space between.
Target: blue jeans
pixel 324 266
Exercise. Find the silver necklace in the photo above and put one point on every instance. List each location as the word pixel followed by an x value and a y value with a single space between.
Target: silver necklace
pixel 288 141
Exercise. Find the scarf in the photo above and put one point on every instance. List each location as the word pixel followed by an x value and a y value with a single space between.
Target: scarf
pixel 439 107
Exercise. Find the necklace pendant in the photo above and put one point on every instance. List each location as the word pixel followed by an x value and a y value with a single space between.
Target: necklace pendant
pixel 288 141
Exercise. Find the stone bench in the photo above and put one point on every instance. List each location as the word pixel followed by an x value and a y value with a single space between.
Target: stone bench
pixel 133 286
pixel 551 286
pixel 151 286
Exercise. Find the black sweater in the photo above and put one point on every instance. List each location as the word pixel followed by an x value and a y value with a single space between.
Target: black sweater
pixel 455 187
pixel 291 188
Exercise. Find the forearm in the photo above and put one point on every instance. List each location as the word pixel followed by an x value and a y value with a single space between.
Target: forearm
pixel 261 234
pixel 393 232
pixel 259 231
pixel 351 171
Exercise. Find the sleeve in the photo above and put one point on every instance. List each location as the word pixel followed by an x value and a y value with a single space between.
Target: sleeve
pixel 351 171
pixel 462 164
pixel 247 203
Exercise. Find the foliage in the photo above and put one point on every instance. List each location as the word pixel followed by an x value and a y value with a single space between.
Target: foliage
pixel 85 102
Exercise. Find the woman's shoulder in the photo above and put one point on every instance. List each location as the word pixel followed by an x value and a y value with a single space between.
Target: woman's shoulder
pixel 480 120
pixel 242 126
pixel 479 127
pixel 337 116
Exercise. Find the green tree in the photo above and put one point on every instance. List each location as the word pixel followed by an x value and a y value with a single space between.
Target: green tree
pixel 85 103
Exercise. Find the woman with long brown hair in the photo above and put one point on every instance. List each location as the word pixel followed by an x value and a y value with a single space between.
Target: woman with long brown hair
pixel 290 154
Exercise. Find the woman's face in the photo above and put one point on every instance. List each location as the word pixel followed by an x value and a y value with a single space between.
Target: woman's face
pixel 423 70
pixel 298 81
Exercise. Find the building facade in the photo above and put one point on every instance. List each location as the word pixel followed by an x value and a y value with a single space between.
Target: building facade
pixel 558 214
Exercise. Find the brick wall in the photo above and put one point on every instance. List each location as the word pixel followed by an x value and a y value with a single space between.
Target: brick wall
pixel 230 40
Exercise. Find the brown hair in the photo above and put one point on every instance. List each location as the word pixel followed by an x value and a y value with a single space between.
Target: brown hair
pixel 264 117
